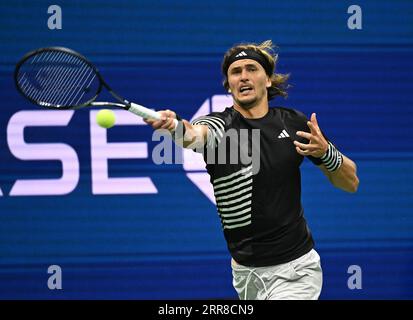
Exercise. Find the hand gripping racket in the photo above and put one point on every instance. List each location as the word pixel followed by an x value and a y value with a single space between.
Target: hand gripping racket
pixel 60 78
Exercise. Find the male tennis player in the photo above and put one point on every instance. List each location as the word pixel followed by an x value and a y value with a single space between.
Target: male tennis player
pixel 261 212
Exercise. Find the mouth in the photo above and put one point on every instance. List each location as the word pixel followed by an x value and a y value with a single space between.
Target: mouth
pixel 245 90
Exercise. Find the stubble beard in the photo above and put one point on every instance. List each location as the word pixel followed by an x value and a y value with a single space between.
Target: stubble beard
pixel 248 104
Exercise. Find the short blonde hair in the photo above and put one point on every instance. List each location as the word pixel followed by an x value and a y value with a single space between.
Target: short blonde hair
pixel 279 85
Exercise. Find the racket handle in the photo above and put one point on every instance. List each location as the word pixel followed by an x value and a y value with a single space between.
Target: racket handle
pixel 145 112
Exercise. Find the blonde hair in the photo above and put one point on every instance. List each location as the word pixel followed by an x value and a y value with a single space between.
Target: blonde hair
pixel 279 85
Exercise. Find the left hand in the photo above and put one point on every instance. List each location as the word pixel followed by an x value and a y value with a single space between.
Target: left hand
pixel 317 146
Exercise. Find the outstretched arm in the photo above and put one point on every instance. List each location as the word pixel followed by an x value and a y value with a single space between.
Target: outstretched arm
pixel 190 136
pixel 345 176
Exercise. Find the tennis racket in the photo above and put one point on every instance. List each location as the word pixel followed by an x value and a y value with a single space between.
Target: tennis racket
pixel 60 78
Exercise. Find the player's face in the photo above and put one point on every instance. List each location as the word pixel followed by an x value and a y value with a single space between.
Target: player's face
pixel 248 82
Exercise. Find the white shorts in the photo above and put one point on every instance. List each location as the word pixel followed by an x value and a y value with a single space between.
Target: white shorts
pixel 300 279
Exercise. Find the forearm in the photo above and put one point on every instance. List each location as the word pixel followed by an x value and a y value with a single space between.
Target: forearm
pixel 191 136
pixel 345 177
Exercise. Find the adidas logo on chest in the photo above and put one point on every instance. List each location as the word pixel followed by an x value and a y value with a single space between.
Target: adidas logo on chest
pixel 284 134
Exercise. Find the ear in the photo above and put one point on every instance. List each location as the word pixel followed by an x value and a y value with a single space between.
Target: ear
pixel 268 84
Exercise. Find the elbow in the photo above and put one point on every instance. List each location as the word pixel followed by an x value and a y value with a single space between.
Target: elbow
pixel 350 185
pixel 355 185
pixel 354 181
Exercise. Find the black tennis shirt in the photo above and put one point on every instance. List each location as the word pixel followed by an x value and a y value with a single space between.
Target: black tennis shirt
pixel 260 210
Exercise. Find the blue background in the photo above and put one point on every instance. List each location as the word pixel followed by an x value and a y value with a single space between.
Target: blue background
pixel 167 54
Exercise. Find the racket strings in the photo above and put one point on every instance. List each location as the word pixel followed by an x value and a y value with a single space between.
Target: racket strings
pixel 57 78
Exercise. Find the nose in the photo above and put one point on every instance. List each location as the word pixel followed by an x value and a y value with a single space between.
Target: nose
pixel 244 75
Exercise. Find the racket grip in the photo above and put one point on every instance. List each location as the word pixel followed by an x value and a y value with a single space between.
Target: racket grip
pixel 145 112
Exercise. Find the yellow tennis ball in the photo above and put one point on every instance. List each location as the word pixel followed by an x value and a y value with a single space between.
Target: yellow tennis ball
pixel 106 118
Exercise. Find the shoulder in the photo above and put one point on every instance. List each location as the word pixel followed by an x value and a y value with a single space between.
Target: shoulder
pixel 217 123
pixel 293 118
pixel 290 113
pixel 223 118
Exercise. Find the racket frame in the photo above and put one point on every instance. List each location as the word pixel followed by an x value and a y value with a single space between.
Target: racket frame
pixel 123 103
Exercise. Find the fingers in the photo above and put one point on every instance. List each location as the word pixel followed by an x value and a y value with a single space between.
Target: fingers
pixel 314 119
pixel 313 124
pixel 166 121
pixel 149 121
pixel 168 124
pixel 310 149
pixel 153 122
pixel 304 134
pixel 302 152
pixel 305 147
pixel 315 145
pixel 312 127
pixel 167 114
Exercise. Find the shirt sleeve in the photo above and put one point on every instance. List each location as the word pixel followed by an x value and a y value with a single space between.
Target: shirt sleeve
pixel 216 128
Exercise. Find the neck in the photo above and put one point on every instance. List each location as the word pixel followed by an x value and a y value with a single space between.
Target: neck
pixel 255 112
